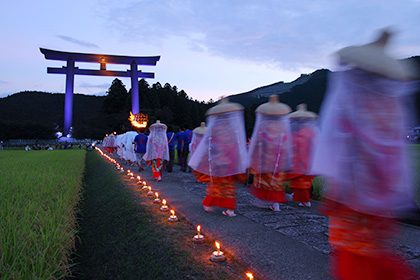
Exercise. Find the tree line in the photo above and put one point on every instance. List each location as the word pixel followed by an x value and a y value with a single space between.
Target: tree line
pixel 172 107
pixel 39 115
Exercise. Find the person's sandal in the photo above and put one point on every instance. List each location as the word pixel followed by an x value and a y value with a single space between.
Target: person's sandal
pixel 227 214
pixel 305 204
pixel 273 209
pixel 208 209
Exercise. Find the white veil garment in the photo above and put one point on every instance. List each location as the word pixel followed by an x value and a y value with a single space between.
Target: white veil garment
pixel 362 150
pixel 197 136
pixel 270 146
pixel 222 151
pixel 305 132
pixel 157 143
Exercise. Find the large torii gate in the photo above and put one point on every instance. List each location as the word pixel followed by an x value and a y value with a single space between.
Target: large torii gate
pixel 70 70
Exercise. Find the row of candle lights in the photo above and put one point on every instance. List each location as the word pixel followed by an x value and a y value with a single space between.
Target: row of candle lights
pixel 217 256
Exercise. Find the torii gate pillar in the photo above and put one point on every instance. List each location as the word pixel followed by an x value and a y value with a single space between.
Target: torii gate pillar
pixel 70 70
pixel 68 99
pixel 135 106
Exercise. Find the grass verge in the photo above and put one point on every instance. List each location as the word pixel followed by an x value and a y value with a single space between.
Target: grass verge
pixel 123 235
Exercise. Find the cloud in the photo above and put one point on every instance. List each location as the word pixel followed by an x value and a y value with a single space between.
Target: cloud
pixel 3 82
pixel 77 42
pixel 282 33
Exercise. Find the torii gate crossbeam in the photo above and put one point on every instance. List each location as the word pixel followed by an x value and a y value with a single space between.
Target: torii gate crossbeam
pixel 70 70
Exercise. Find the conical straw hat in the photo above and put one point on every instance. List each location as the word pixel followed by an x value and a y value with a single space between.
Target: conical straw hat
pixel 158 123
pixel 273 107
pixel 201 129
pixel 301 112
pixel 224 106
pixel 372 58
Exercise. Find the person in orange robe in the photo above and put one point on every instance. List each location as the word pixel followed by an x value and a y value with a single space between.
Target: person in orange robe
pixel 304 131
pixel 362 154
pixel 157 149
pixel 220 159
pixel 269 154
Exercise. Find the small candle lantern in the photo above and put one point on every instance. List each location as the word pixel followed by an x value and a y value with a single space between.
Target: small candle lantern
pixel 150 193
pixel 122 169
pixel 132 176
pixel 145 186
pixel 218 256
pixel 128 172
pixel 157 199
pixel 173 218
pixel 164 207
pixel 138 180
pixel 250 276
pixel 199 238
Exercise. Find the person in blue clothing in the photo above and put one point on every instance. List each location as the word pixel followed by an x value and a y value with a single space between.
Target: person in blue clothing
pixel 179 139
pixel 171 145
pixel 140 142
pixel 186 140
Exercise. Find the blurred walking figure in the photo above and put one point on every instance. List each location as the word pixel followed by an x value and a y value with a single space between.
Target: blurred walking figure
pixel 157 149
pixel 185 148
pixel 362 155
pixel 197 136
pixel 270 154
pixel 179 144
pixel 221 158
pixel 304 134
pixel 171 146
pixel 140 142
pixel 130 152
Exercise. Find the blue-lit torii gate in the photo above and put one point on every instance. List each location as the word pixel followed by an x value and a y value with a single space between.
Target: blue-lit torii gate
pixel 70 70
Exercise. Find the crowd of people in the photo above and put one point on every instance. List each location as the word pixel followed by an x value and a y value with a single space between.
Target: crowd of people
pixel 358 148
pixel 58 146
pixel 154 146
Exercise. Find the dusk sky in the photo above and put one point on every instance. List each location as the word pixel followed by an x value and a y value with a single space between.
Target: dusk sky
pixel 208 48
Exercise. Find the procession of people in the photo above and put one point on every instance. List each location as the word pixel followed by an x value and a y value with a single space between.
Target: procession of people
pixel 357 148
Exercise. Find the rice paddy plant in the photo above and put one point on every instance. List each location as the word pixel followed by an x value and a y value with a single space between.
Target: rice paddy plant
pixel 39 194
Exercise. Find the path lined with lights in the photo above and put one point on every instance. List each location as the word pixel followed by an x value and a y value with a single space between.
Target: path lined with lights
pixel 290 244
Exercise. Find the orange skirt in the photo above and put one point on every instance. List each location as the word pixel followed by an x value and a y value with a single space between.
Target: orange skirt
pixel 268 187
pixel 220 191
pixel 362 246
pixel 301 185
pixel 157 168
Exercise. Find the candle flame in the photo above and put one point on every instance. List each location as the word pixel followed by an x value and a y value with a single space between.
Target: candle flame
pixel 173 212
pixel 217 245
pixel 150 189
pixel 250 276
pixel 164 201
pixel 138 178
pixel 156 194
pixel 198 228
pixel 128 170
pixel 144 183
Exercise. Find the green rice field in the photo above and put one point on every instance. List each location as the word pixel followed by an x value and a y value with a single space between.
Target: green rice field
pixel 39 194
